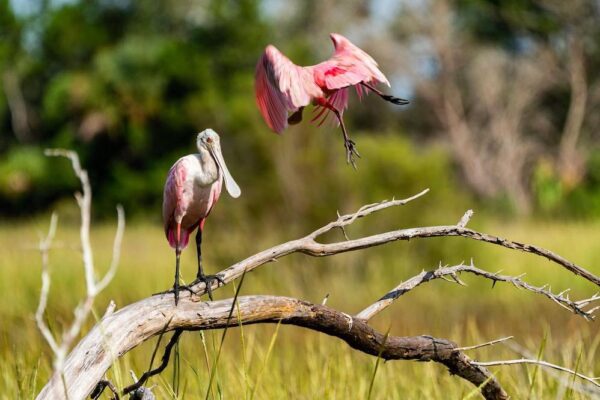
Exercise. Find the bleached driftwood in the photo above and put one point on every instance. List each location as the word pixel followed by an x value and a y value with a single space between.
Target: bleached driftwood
pixel 121 331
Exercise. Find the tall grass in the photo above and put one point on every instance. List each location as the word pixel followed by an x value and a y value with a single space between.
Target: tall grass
pixel 268 361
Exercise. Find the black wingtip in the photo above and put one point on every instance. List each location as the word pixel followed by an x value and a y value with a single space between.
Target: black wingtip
pixel 395 100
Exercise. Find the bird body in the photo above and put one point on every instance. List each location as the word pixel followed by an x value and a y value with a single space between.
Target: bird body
pixel 192 188
pixel 282 87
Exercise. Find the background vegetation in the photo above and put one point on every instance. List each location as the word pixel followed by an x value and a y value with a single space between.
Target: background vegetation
pixel 502 119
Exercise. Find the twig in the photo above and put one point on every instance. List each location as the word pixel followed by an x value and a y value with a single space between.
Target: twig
pixel 577 386
pixel 44 248
pixel 82 311
pixel 163 364
pixel 365 210
pixel 116 255
pixel 103 384
pixel 465 219
pixel 443 271
pixel 490 343
pixel 546 364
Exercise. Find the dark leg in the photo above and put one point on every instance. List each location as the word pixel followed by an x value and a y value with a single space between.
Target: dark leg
pixel 395 100
pixel 199 252
pixel 176 284
pixel 200 277
pixel 348 144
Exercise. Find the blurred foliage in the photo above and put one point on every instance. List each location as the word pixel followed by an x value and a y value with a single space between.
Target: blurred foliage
pixel 127 84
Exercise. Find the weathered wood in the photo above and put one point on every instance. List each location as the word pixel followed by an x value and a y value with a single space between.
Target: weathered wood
pixel 119 332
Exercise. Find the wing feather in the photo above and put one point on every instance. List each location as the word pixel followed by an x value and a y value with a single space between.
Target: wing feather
pixel 348 66
pixel 281 87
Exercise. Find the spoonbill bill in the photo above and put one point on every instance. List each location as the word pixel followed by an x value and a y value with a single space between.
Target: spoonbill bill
pixel 192 189
pixel 282 87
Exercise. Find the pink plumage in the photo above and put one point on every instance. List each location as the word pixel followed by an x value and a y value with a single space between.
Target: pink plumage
pixel 282 87
pixel 192 188
pixel 184 203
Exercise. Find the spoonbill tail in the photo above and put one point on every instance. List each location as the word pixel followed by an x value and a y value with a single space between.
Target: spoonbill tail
pixel 282 87
pixel 192 189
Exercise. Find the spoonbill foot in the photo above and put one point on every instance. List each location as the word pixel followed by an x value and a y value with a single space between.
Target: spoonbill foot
pixel 208 280
pixel 351 152
pixel 395 100
pixel 176 289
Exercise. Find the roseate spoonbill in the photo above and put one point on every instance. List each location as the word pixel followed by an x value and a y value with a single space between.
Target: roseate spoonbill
pixel 192 188
pixel 282 86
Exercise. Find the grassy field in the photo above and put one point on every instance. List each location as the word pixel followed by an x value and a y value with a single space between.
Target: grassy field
pixel 267 362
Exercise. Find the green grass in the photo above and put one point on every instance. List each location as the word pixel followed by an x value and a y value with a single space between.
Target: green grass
pixel 265 362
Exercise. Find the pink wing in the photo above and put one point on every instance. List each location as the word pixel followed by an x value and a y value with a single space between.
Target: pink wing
pixel 172 204
pixel 348 66
pixel 281 87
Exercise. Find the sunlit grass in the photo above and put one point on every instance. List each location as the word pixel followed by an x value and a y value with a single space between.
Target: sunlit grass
pixel 299 363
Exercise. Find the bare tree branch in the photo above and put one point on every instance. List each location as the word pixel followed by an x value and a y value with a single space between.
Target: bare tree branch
pixel 593 381
pixel 453 271
pixel 116 255
pixel 490 343
pixel 44 247
pixel 123 330
pixel 309 245
pixel 579 387
pixel 148 317
pixel 82 311
pixel 163 364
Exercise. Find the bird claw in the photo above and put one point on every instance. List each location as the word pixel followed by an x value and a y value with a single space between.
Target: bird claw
pixel 351 151
pixel 395 100
pixel 208 279
pixel 176 291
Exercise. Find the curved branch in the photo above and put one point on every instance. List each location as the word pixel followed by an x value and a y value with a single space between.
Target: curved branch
pixel 121 331
pixel 308 244
pixel 91 358
pixel 577 307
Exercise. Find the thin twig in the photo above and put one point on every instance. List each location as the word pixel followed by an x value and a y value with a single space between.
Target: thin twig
pixel 110 274
pixel 443 271
pixel 44 248
pixel 579 387
pixel 103 384
pixel 82 311
pixel 465 219
pixel 546 364
pixel 363 211
pixel 490 343
pixel 163 364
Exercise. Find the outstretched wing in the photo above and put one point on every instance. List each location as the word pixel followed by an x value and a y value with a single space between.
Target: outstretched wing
pixel 348 66
pixel 281 87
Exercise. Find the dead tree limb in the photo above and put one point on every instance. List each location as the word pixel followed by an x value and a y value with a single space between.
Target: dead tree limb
pixel 91 358
pixel 118 332
pixel 577 307
pixel 60 348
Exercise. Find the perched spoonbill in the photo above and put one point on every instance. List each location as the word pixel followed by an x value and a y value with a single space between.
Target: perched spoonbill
pixel 282 86
pixel 192 189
